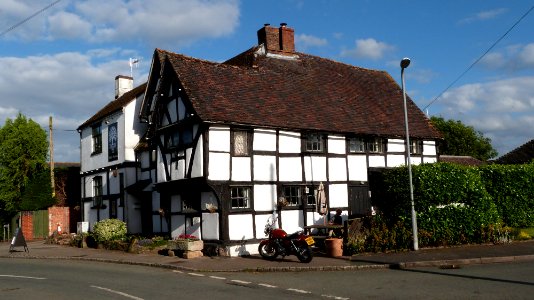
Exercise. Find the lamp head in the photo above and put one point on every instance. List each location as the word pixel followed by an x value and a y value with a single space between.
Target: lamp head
pixel 405 62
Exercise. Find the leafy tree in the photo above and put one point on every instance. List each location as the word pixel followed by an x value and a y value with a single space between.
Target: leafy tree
pixel 23 154
pixel 460 139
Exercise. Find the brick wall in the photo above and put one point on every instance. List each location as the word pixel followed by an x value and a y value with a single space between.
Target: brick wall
pixel 58 215
pixel 27 225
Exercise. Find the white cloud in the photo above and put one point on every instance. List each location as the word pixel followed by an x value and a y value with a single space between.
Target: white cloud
pixel 511 58
pixel 503 110
pixel 155 22
pixel 484 15
pixel 304 41
pixel 368 49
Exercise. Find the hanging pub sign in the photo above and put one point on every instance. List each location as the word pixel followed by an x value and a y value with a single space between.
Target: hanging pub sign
pixel 113 148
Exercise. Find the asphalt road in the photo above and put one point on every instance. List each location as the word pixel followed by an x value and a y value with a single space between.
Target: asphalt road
pixel 64 279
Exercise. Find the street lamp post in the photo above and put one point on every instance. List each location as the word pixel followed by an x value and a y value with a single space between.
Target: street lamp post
pixel 405 62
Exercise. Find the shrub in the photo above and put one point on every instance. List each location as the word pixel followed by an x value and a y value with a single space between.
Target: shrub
pixel 109 230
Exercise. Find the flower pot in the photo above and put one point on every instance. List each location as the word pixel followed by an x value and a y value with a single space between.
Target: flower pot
pixel 334 247
pixel 186 245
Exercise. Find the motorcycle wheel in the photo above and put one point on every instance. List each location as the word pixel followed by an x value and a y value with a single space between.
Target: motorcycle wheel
pixel 268 251
pixel 304 254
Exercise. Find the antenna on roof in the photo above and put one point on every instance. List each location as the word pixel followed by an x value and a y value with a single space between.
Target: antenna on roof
pixel 133 62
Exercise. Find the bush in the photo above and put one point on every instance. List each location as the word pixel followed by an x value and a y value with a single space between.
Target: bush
pixel 109 230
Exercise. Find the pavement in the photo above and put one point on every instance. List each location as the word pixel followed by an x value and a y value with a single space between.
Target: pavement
pixel 446 257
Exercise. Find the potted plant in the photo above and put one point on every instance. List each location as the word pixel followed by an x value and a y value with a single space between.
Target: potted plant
pixel 186 242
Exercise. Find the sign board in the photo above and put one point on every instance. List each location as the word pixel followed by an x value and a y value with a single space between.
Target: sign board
pixel 82 227
pixel 18 241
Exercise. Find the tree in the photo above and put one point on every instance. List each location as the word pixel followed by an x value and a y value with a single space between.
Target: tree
pixel 460 139
pixel 23 154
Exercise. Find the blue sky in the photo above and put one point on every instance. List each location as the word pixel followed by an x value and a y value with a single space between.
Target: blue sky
pixel 62 62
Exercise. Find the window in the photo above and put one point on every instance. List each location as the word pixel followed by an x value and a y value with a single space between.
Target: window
pixel 292 195
pixel 315 142
pixel 240 197
pixel 311 195
pixel 356 145
pixel 375 145
pixel 97 191
pixel 416 147
pixel 97 139
pixel 241 143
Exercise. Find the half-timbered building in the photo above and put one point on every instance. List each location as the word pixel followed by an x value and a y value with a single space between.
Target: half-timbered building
pixel 228 145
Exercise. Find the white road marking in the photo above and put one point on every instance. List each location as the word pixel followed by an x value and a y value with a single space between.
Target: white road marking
pixel 196 274
pixel 116 292
pixel 177 271
pixel 240 281
pixel 267 285
pixel 25 277
pixel 299 291
pixel 217 277
pixel 335 297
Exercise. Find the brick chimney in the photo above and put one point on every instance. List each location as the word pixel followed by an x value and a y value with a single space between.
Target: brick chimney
pixel 123 84
pixel 277 40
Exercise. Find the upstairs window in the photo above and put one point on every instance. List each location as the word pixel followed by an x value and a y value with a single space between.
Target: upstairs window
pixel 241 143
pixel 314 142
pixel 356 145
pixel 240 197
pixel 97 191
pixel 97 139
pixel 416 147
pixel 375 145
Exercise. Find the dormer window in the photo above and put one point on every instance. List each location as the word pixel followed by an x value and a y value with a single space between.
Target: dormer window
pixel 416 147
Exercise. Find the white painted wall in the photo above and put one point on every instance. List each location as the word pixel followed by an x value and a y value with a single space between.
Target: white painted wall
pixel 336 144
pixel 241 170
pixel 198 164
pixel 357 167
pixel 338 195
pixel 396 145
pixel 264 168
pixel 396 160
pixel 337 169
pixel 219 166
pixel 292 220
pixel 240 227
pixel 429 148
pixel 210 226
pixel 289 142
pixel 264 197
pixel 377 161
pixel 264 140
pixel 219 139
pixel 315 168
pixel 290 169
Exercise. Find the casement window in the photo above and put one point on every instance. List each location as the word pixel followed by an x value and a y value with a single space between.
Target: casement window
pixel 190 202
pixel 292 195
pixel 311 195
pixel 375 145
pixel 179 138
pixel 240 197
pixel 416 147
pixel 371 145
pixel 97 138
pixel 97 191
pixel 314 142
pixel 356 145
pixel 241 143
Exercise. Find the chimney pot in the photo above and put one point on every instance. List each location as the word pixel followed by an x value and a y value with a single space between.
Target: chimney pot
pixel 283 24
pixel 123 84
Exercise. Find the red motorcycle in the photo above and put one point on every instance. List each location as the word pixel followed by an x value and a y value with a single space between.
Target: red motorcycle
pixel 280 243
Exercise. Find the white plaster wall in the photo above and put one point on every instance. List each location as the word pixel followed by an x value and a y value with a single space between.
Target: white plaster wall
pixel 430 160
pixel 289 142
pixel 176 203
pixel 429 148
pixel 178 169
pixel 194 229
pixel 338 195
pixel 264 168
pixel 376 161
pixel 160 167
pixel 241 169
pixel 181 108
pixel 315 218
pixel 171 107
pixel 357 167
pixel 243 250
pixel 337 169
pixel 219 166
pixel 336 144
pixel 155 201
pixel 198 163
pixel 261 221
pixel 264 197
pixel 133 214
pixel 133 129
pixel 144 159
pixel 264 140
pixel 396 145
pixel 219 139
pixel 315 168
pixel 240 227
pixel 396 160
pixel 210 226
pixel 177 225
pixel 290 169
pixel 292 220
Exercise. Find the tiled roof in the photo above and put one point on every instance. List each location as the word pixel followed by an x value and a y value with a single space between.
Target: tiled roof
pixel 521 155
pixel 461 160
pixel 115 105
pixel 307 93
